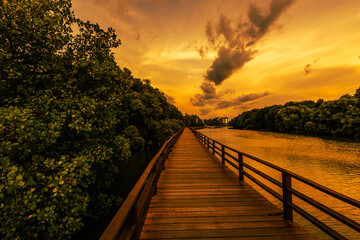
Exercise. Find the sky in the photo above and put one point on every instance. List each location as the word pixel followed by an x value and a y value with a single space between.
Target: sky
pixel 222 57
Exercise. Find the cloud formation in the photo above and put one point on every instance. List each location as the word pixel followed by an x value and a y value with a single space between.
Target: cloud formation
pixel 226 63
pixel 233 39
pixel 308 67
pixel 170 99
pixel 209 95
pixel 240 100
pixel 204 111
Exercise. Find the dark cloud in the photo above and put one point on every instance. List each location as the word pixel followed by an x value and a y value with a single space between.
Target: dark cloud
pixel 245 106
pixel 227 61
pixel 240 100
pixel 209 33
pixel 234 42
pixel 208 94
pixel 211 97
pixel 209 90
pixel 308 67
pixel 170 99
pixel 233 39
pixel 204 111
pixel 202 51
pixel 224 28
pixel 260 24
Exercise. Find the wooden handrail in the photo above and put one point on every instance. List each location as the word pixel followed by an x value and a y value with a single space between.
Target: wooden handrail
pixel 287 191
pixel 129 219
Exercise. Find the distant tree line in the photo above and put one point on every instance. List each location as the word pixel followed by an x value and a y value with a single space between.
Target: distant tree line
pixel 212 122
pixel 339 117
pixel 68 115
pixel 193 120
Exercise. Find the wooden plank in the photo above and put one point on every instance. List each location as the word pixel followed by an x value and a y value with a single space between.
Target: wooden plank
pixel 208 204
pixel 209 219
pixel 199 198
pixel 216 225
pixel 223 200
pixel 233 213
pixel 215 193
pixel 206 197
pixel 283 237
pixel 209 209
pixel 246 232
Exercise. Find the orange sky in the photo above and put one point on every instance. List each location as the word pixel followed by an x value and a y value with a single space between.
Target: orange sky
pixel 257 54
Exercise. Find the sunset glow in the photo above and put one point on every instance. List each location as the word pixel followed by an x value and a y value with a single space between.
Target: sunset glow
pixel 300 50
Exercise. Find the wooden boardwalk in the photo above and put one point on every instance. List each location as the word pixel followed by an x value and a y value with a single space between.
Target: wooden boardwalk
pixel 199 198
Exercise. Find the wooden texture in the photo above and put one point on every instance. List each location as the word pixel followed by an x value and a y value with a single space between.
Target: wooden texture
pixel 199 198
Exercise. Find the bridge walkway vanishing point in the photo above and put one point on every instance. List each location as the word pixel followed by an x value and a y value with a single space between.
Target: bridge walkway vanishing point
pixel 199 198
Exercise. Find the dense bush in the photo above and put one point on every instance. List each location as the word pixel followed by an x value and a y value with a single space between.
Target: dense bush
pixel 68 114
pixel 338 117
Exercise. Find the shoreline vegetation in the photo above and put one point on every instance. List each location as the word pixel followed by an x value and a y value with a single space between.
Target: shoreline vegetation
pixel 336 118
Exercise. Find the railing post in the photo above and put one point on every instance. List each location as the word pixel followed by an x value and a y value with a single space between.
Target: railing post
pixel 208 143
pixel 164 158
pixel 241 167
pixel 213 147
pixel 287 196
pixel 154 171
pixel 222 154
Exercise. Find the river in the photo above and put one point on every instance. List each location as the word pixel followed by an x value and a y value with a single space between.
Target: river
pixel 331 163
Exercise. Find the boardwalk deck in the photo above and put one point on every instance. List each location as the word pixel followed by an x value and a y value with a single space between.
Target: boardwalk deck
pixel 199 198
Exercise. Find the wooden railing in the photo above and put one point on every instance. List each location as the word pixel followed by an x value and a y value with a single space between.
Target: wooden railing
pixel 222 151
pixel 129 219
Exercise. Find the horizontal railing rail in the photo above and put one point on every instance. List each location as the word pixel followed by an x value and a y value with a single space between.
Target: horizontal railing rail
pixel 129 220
pixel 286 185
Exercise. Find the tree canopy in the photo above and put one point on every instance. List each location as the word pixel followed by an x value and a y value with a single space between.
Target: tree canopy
pixel 339 117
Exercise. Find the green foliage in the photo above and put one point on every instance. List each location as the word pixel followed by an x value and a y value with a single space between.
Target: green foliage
pixel 136 141
pixel 213 122
pixel 193 120
pixel 339 117
pixel 68 115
